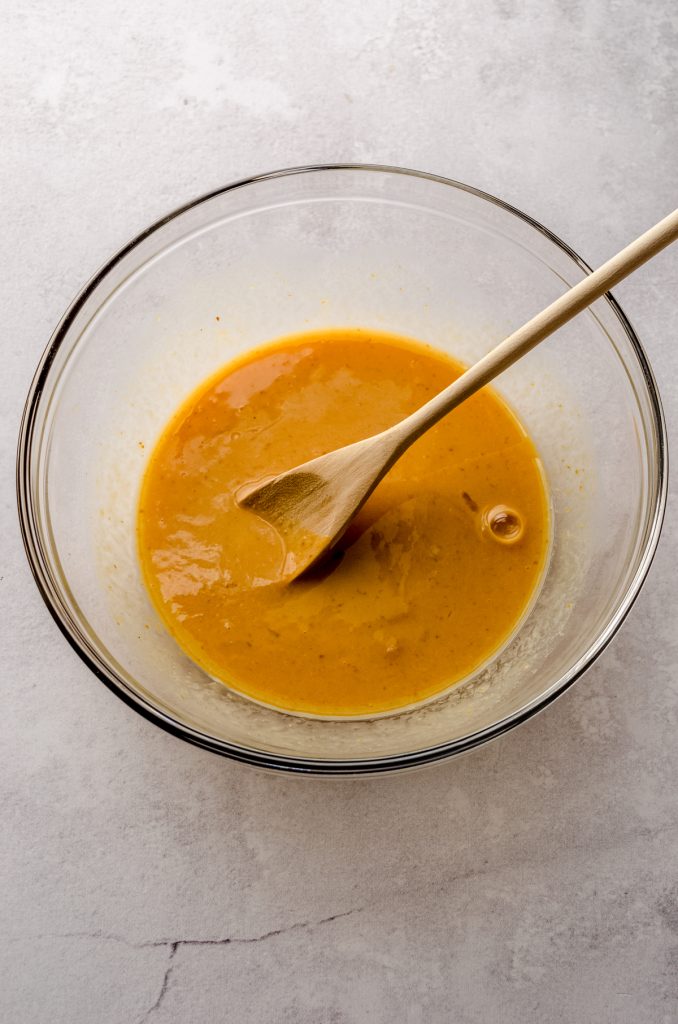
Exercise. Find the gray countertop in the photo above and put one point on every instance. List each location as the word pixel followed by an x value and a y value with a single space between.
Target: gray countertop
pixel 143 880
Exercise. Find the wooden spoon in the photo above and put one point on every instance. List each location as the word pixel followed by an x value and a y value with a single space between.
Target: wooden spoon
pixel 311 505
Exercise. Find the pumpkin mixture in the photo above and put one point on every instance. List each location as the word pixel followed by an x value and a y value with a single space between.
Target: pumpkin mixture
pixel 427 584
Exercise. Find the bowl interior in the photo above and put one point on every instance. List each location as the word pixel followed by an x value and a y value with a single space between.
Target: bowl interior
pixel 295 252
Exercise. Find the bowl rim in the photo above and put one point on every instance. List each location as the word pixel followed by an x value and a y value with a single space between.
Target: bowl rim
pixel 288 763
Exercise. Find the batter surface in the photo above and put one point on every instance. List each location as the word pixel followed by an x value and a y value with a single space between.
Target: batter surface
pixel 431 578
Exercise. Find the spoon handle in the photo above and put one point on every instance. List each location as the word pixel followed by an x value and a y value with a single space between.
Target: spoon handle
pixel 539 327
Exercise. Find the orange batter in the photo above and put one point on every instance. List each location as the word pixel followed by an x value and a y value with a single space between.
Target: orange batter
pixel 431 578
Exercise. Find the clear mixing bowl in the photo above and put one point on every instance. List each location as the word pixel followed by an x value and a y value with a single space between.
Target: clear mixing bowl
pixel 303 249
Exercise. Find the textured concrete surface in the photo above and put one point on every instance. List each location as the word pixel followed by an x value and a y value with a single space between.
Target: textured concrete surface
pixel 145 881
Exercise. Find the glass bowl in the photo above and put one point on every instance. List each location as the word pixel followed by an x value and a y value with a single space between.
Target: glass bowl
pixel 303 249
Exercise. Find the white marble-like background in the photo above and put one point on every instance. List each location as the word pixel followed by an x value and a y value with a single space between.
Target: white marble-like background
pixel 142 880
